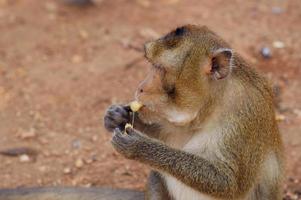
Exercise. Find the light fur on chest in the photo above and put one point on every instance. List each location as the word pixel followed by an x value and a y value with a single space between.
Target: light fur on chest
pixel 180 191
pixel 202 144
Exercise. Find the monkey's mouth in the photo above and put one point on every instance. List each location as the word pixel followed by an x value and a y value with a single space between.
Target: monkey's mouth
pixel 148 114
pixel 154 64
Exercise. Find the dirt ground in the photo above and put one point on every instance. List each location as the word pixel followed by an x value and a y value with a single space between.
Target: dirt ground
pixel 61 66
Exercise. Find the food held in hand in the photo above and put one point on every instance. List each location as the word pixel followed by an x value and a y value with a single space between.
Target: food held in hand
pixel 127 125
pixel 135 106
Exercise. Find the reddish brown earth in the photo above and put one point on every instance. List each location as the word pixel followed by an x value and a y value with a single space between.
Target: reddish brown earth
pixel 62 66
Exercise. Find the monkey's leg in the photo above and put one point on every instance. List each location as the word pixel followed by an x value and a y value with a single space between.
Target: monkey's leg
pixel 156 188
pixel 70 194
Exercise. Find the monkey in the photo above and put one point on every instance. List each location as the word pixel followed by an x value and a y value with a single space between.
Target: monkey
pixel 216 135
pixel 207 127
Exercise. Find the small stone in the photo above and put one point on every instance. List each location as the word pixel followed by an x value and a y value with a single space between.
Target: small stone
pixel 52 17
pixel 76 144
pixel 88 161
pixel 83 34
pixel 266 52
pixel 278 44
pixel 144 3
pixel 297 112
pixel 76 59
pixel 24 158
pixel 277 10
pixel 42 168
pixel 88 185
pixel 280 117
pixel 74 182
pixel 28 134
pixel 94 138
pixel 79 163
pixel 67 170
pixel 18 114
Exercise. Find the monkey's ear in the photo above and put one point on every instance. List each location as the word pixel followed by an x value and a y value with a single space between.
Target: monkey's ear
pixel 220 66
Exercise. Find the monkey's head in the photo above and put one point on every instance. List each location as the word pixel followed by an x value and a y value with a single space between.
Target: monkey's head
pixel 189 65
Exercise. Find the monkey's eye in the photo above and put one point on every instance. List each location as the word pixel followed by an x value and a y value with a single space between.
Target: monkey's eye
pixel 171 43
pixel 170 90
pixel 180 31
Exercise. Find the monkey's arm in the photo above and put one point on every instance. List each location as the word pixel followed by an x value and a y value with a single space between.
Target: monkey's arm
pixel 156 188
pixel 218 178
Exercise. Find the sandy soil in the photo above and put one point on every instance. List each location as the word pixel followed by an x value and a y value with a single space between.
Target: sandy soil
pixel 61 66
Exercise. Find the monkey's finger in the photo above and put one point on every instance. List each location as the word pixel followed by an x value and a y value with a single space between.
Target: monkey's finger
pixel 110 124
pixel 118 141
pixel 122 138
pixel 127 108
pixel 118 115
pixel 123 110
pixel 133 133
pixel 129 130
pixel 116 118
pixel 120 108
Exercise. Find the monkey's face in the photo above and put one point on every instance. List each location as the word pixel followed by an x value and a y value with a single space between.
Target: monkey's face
pixel 165 92
pixel 177 88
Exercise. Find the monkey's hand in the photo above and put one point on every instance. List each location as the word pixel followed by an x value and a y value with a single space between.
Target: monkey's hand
pixel 116 117
pixel 129 143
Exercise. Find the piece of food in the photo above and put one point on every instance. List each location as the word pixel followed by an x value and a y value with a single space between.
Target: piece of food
pixel 135 106
pixel 127 125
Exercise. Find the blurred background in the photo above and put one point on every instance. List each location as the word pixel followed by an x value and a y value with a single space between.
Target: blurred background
pixel 63 62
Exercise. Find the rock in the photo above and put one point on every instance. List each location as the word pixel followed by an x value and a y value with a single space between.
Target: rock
pixel 79 163
pixel 280 117
pixel 42 168
pixel 266 52
pixel 278 44
pixel 67 170
pixel 88 161
pixel 94 138
pixel 76 144
pixel 88 185
pixel 24 158
pixel 277 10
pixel 297 112
pixel 83 34
pixel 76 59
pixel 27 134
